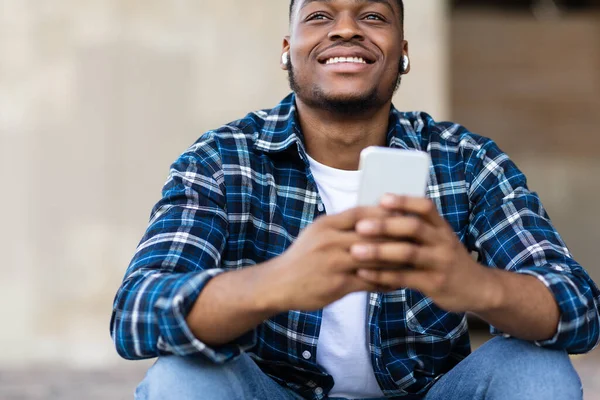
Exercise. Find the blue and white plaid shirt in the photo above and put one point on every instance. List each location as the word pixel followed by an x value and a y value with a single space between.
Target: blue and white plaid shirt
pixel 242 194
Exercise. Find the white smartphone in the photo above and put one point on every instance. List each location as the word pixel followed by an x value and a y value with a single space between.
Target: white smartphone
pixel 385 170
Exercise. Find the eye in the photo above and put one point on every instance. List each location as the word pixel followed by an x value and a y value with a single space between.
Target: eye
pixel 374 17
pixel 318 16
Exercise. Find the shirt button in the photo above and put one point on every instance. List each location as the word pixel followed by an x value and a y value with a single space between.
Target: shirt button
pixel 318 391
pixel 306 355
pixel 321 207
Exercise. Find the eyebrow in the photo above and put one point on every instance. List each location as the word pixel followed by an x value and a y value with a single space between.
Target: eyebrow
pixel 384 2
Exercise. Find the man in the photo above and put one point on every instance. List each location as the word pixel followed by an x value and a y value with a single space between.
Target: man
pixel 258 279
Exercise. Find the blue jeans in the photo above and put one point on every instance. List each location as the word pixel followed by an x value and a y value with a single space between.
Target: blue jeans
pixel 502 369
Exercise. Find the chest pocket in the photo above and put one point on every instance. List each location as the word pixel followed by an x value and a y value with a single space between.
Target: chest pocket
pixel 426 318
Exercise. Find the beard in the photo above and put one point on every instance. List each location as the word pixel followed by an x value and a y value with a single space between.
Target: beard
pixel 316 97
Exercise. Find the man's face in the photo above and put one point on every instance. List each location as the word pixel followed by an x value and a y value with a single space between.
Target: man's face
pixel 345 54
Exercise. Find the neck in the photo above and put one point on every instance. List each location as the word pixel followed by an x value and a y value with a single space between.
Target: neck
pixel 337 140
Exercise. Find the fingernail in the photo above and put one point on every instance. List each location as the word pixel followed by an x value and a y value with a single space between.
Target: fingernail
pixel 388 200
pixel 361 251
pixel 366 227
pixel 366 274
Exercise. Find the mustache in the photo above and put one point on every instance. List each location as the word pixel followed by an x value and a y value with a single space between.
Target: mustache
pixel 347 44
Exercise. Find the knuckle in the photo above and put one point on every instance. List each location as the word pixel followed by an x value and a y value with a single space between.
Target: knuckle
pixel 429 207
pixel 410 252
pixel 321 243
pixel 391 251
pixel 376 276
pixel 401 201
pixel 415 226
pixel 357 213
pixel 439 281
pixel 328 239
pixel 351 239
pixel 335 261
pixel 445 259
pixel 385 225
pixel 379 251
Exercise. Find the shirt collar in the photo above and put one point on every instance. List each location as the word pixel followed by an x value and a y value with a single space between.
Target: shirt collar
pixel 281 129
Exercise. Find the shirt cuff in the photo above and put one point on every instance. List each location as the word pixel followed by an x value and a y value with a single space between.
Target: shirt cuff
pixel 572 305
pixel 176 337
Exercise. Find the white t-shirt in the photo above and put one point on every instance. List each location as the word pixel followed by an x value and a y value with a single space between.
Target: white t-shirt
pixel 343 347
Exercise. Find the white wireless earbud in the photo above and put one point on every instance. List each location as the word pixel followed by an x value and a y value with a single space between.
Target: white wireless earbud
pixel 285 58
pixel 405 63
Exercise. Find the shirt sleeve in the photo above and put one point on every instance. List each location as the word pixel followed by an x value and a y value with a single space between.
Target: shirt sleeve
pixel 510 229
pixel 178 255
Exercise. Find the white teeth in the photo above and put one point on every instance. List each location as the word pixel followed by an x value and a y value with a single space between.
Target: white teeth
pixel 337 60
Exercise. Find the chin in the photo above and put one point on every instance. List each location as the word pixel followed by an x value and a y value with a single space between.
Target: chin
pixel 345 97
pixel 346 93
pixel 348 103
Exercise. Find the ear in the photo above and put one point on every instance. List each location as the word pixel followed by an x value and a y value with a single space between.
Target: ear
pixel 405 52
pixel 285 49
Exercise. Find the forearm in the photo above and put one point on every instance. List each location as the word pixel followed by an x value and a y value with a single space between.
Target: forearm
pixel 519 305
pixel 232 304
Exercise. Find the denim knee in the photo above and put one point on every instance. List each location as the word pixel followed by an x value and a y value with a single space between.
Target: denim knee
pixel 521 370
pixel 182 378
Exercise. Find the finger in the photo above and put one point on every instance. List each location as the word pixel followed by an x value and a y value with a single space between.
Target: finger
pixel 400 227
pixel 346 239
pixel 422 207
pixel 343 261
pixel 398 253
pixel 347 220
pixel 415 279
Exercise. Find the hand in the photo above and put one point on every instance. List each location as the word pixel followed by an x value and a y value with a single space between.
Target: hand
pixel 318 268
pixel 439 265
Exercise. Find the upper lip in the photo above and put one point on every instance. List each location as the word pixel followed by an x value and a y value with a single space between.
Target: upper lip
pixel 346 52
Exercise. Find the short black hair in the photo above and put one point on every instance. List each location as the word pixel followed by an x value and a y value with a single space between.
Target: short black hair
pixel 400 5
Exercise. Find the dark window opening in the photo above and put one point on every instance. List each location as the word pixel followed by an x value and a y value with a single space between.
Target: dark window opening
pixel 567 5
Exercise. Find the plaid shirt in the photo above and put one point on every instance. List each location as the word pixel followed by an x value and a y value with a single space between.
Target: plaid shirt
pixel 242 194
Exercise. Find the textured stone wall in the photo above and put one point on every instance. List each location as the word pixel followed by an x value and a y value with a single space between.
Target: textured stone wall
pixel 97 98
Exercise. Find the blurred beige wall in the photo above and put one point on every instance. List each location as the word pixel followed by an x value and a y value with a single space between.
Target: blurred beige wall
pixel 534 86
pixel 97 98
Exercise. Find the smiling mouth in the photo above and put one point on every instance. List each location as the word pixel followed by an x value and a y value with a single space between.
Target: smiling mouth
pixel 349 60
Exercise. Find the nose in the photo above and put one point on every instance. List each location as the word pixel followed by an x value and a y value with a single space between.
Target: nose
pixel 346 29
